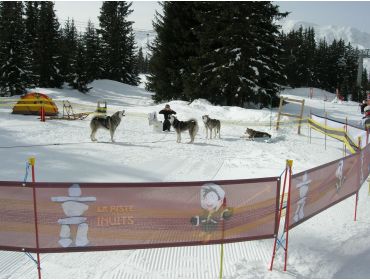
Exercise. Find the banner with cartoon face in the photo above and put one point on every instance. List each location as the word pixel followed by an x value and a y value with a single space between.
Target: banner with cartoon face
pixel 88 216
pixel 317 189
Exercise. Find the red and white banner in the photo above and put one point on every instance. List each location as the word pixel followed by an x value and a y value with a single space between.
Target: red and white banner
pixel 112 216
pixel 317 189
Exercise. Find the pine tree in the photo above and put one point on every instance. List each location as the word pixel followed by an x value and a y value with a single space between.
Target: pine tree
pixel 172 49
pixel 48 47
pixel 79 75
pixel 146 64
pixel 365 86
pixel 240 65
pixel 118 44
pixel 31 38
pixel 68 48
pixel 290 44
pixel 12 53
pixel 308 52
pixel 322 66
pixel 92 52
pixel 141 61
pixel 348 87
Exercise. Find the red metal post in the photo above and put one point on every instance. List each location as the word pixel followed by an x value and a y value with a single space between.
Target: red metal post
pixel 356 206
pixel 290 163
pixel 279 217
pixel 43 113
pixel 32 163
pixel 359 146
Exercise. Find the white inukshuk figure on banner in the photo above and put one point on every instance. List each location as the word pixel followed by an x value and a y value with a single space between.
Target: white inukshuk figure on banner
pixel 339 175
pixel 303 189
pixel 73 206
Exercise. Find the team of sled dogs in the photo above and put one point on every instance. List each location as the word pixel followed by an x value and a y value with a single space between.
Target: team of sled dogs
pixel 111 123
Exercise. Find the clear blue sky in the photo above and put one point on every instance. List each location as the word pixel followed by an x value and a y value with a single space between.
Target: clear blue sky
pixel 342 13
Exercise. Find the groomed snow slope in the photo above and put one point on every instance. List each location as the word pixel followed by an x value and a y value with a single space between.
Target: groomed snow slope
pixel 330 245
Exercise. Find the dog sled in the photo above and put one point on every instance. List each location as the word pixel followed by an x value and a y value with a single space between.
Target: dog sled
pixel 69 114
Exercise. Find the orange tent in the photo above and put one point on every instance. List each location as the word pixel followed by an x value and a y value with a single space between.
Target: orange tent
pixel 31 103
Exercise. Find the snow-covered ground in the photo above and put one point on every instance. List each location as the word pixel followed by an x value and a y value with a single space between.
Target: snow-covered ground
pixel 329 245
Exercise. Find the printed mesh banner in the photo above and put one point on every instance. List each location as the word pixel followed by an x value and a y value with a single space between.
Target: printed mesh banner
pixel 317 189
pixel 364 163
pixel 84 216
pixel 17 220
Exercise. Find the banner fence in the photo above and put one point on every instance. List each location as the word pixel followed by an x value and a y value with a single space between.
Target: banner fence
pixel 93 217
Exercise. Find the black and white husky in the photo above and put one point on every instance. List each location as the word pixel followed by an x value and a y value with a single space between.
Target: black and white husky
pixel 212 124
pixel 181 126
pixel 108 122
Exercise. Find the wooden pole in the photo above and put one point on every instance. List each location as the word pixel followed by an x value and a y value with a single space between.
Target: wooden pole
pixel 32 163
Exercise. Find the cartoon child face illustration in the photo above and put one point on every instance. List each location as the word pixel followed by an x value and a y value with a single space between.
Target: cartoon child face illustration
pixel 212 197
pixel 211 200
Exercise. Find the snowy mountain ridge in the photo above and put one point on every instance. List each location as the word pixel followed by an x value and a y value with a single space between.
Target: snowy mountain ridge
pixel 330 32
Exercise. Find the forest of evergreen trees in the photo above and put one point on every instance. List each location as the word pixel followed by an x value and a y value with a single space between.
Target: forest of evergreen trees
pixel 230 53
pixel 35 50
pixel 308 63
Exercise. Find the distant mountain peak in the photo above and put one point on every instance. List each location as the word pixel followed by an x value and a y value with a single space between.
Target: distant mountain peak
pixel 356 37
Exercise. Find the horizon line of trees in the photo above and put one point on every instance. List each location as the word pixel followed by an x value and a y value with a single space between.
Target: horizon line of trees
pixel 308 63
pixel 230 53
pixel 35 50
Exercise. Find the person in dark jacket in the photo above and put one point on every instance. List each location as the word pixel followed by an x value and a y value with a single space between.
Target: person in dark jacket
pixel 167 112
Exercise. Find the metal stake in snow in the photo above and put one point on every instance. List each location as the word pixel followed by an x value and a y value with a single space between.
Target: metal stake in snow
pixel 279 242
pixel 32 163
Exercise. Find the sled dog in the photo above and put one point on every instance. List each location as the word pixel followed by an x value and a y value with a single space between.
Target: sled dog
pixel 251 134
pixel 108 122
pixel 153 120
pixel 212 124
pixel 181 126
